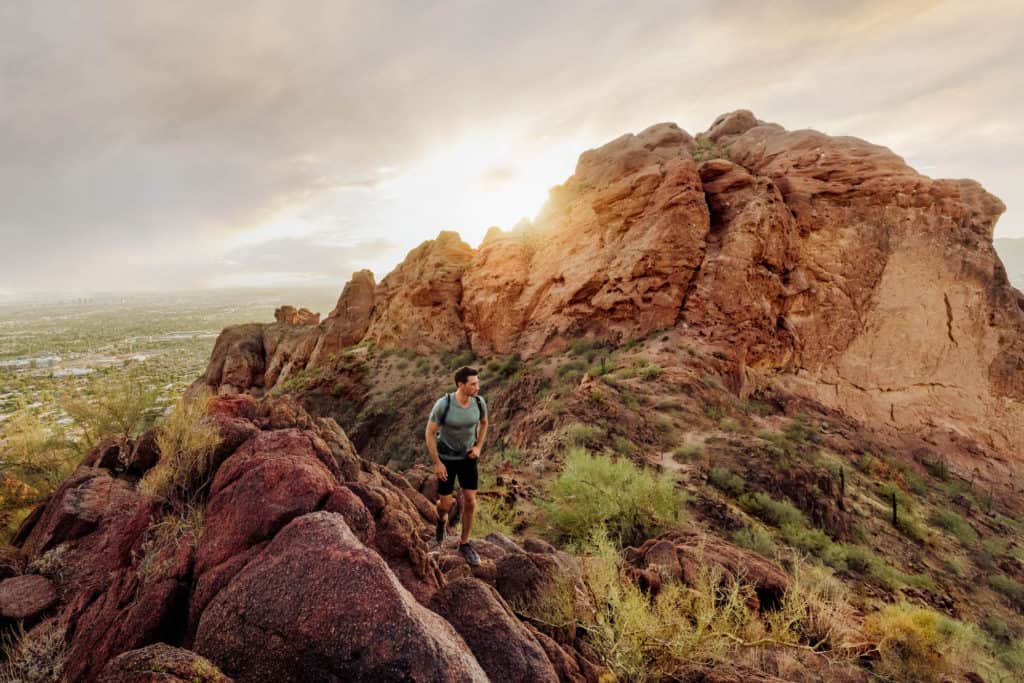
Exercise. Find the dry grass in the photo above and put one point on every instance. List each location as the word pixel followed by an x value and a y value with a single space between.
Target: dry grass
pixel 37 656
pixel 186 440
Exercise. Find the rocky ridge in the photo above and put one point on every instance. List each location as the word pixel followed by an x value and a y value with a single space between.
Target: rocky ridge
pixel 822 264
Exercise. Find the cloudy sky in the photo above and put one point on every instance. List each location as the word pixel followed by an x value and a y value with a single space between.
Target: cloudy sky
pixel 208 144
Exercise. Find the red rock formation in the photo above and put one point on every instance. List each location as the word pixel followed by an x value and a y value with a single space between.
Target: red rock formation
pixel 825 263
pixel 289 315
pixel 161 663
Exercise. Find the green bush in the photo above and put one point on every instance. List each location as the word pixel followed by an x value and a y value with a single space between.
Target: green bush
pixel 595 493
pixel 1012 589
pixel 914 643
pixel 774 512
pixel 688 452
pixel 583 435
pixel 651 372
pixel 724 479
pixel 186 441
pixel 456 359
pixel 807 539
pixel 122 409
pixel 755 539
pixel 623 446
pixel 956 525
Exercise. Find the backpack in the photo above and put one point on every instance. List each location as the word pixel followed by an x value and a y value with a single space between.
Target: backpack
pixel 448 404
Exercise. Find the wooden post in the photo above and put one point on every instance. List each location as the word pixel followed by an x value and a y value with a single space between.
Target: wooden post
pixel 895 521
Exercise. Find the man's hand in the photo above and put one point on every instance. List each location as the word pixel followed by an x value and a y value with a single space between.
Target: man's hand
pixel 473 453
pixel 441 471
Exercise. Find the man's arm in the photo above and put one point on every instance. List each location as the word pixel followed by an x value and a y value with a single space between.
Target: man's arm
pixel 481 434
pixel 431 436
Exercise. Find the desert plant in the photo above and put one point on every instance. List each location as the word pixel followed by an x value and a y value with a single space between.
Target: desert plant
pixel 186 441
pixel 121 410
pixel 34 462
pixel 914 643
pixel 493 515
pixel 600 493
pixel 755 539
pixel 774 512
pixel 724 479
pixel 956 525
pixel 688 452
pixel 36 656
pixel 1013 590
pixel 584 435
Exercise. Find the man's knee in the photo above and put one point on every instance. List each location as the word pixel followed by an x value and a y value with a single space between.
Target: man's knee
pixel 469 499
pixel 444 503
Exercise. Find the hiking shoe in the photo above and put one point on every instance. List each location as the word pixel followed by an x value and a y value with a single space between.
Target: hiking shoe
pixel 466 550
pixel 439 531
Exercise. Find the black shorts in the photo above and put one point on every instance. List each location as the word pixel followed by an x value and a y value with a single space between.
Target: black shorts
pixel 465 470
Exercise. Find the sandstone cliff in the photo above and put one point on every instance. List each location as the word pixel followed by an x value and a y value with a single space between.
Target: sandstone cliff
pixel 824 264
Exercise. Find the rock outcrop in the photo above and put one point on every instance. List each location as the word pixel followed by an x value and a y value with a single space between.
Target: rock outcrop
pixel 823 263
pixel 311 563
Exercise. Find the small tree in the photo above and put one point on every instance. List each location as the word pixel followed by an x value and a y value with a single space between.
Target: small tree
pixel 121 410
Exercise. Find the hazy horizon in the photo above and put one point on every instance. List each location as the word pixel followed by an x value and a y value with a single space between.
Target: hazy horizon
pixel 152 148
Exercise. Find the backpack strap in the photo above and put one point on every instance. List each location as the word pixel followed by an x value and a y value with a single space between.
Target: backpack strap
pixel 447 405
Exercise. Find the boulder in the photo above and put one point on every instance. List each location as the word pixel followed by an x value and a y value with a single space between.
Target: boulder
pixel 161 663
pixel 26 598
pixel 316 604
pixel 504 646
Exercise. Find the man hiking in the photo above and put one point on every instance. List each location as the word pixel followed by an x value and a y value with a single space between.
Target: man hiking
pixel 455 434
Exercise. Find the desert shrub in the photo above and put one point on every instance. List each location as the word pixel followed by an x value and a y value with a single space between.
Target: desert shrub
pixel 996 546
pixel 456 359
pixel 1000 629
pixel 651 372
pixel 493 515
pixel 667 636
pixel 728 424
pixel 584 435
pixel 573 368
pixel 37 656
pixel 937 467
pixel 505 368
pixel 774 512
pixel 755 539
pixel 914 643
pixel 34 464
pixel 1009 587
pixel 861 561
pixel 623 446
pixel 806 539
pixel 688 452
pixel 629 401
pixel 956 525
pixel 761 408
pixel 186 440
pixel 724 479
pixel 713 412
pixel 556 407
pixel 168 533
pixel 600 493
pixel 122 409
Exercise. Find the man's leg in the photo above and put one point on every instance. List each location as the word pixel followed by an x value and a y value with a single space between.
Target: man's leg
pixel 468 507
pixel 445 500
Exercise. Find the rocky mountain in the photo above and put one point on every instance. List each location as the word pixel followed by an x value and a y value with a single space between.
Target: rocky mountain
pixel 820 263
pixel 756 405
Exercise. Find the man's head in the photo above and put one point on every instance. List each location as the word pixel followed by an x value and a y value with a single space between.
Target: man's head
pixel 467 379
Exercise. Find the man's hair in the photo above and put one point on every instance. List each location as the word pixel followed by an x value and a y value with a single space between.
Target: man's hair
pixel 463 374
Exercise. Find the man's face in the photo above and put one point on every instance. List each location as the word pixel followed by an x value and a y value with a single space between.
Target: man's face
pixel 472 385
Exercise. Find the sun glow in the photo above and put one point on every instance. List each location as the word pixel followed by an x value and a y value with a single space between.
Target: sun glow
pixel 480 180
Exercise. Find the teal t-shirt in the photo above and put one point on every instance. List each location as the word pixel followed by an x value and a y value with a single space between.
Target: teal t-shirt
pixel 460 425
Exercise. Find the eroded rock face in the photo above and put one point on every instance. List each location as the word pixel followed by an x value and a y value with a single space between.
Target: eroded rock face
pixel 25 598
pixel 824 262
pixel 348 322
pixel 317 579
pixel 610 257
pixel 418 306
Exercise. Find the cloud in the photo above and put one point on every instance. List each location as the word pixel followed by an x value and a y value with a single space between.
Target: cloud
pixel 159 133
